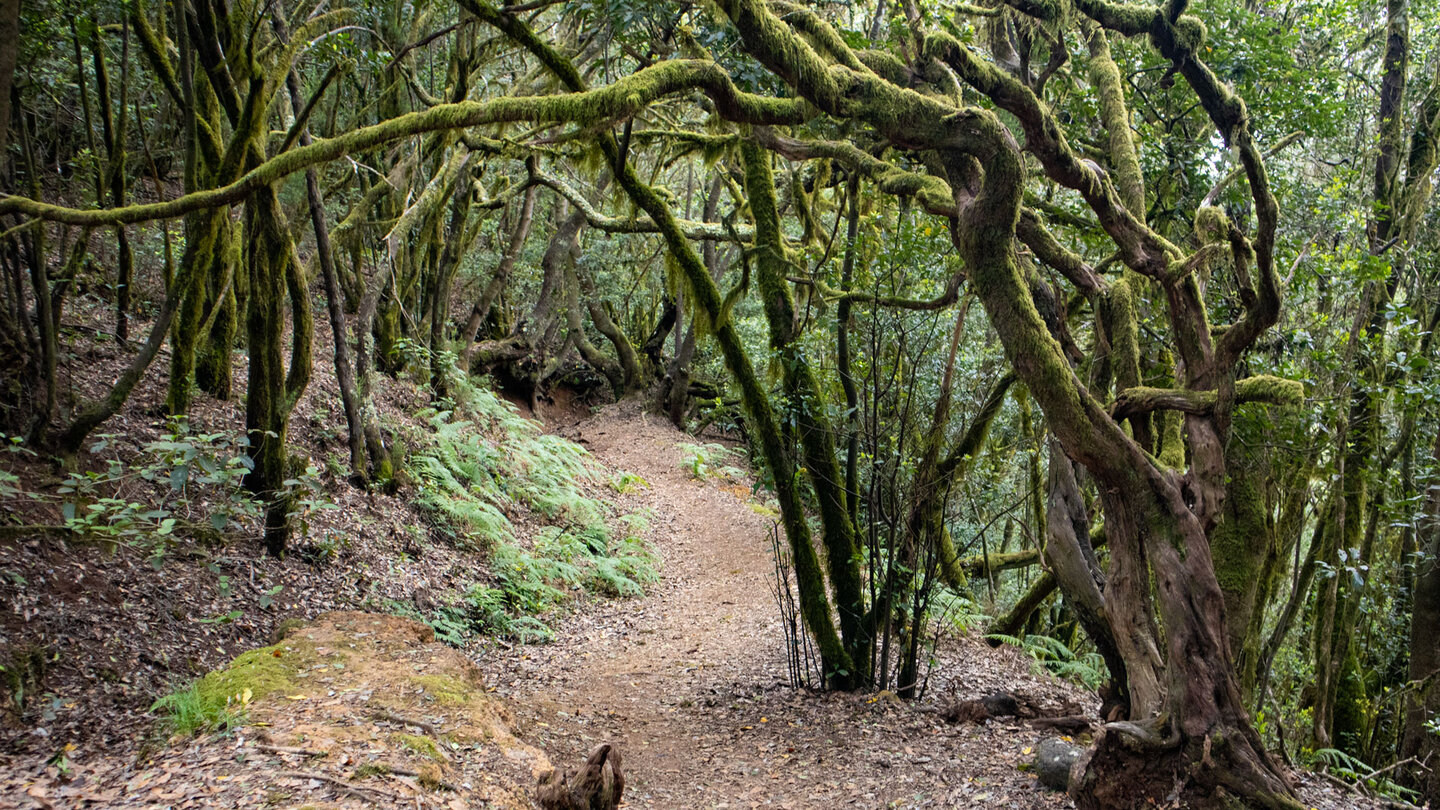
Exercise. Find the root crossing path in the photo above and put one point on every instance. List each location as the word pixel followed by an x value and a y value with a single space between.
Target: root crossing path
pixel 690 681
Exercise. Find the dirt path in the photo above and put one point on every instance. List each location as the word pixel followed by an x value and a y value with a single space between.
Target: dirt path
pixel 690 681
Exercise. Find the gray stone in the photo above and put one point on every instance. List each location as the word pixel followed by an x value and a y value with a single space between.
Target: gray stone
pixel 1053 761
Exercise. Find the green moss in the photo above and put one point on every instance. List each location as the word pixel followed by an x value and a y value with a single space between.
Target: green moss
pixel 1211 225
pixel 444 690
pixel 370 769
pixel 1124 161
pixel 424 746
pixel 1270 389
pixel 220 700
pixel 264 672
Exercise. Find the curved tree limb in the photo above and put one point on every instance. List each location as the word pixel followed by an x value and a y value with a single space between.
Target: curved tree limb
pixel 618 101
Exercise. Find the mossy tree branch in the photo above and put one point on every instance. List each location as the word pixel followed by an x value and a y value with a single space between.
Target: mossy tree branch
pixel 623 99
pixel 1261 388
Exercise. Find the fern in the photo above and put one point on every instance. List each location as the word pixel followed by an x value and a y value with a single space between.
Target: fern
pixel 707 460
pixel 480 462
pixel 1352 768
pixel 1056 658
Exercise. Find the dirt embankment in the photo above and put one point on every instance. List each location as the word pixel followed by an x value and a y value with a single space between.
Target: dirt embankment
pixel 352 710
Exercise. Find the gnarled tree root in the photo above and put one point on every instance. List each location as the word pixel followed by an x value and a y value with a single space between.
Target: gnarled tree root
pixel 1145 765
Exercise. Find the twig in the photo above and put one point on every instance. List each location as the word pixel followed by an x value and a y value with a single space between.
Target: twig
pixel 1388 768
pixel 1338 782
pixel 386 714
pixel 340 784
pixel 285 749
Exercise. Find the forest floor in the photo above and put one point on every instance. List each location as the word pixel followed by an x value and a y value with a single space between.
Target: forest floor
pixel 689 681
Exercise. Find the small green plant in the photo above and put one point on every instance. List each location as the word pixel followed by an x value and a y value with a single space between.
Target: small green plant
pixel 709 460
pixel 190 711
pixel 628 482
pixel 22 675
pixel 958 610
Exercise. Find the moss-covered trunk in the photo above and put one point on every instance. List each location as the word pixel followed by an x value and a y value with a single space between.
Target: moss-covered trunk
pixel 1422 705
pixel 267 400
pixel 816 435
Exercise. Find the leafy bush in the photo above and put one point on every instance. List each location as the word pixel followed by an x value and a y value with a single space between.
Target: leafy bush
pixel 182 482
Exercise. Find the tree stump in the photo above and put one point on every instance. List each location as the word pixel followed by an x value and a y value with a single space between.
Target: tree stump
pixel 597 786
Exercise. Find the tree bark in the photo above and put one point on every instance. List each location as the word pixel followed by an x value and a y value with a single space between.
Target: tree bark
pixel 9 55
pixel 344 368
pixel 1422 704
pixel 481 310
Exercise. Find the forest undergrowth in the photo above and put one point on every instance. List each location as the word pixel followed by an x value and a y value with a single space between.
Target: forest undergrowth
pixel 130 574
pixel 506 541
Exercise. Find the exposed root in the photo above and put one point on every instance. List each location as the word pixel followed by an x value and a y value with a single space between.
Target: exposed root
pixel 1135 765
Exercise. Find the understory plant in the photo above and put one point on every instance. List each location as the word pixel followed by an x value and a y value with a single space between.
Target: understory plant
pixel 483 463
pixel 183 483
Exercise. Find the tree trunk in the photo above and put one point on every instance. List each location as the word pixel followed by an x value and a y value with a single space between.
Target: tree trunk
pixel 9 55
pixel 267 400
pixel 115 171
pixel 816 441
pixel 1422 704
pixel 481 310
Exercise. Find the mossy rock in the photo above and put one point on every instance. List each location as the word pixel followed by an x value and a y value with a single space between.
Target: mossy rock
pixel 264 672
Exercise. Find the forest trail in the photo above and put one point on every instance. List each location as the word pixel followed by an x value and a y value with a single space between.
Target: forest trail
pixel 363 709
pixel 690 681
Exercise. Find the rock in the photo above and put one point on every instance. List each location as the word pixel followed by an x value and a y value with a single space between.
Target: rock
pixel 1052 762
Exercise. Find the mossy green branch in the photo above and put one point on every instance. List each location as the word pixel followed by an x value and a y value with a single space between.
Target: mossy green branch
pixel 1260 388
pixel 1143 249
pixel 949 296
pixel 623 99
pixel 1048 249
pixel 933 193
pixel 1110 87
pixel 715 231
